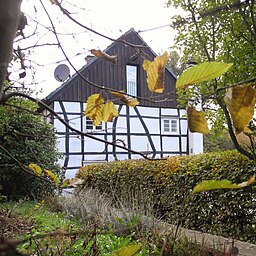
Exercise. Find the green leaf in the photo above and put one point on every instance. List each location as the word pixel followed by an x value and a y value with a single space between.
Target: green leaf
pixel 215 184
pixel 36 169
pixel 129 250
pixel 202 72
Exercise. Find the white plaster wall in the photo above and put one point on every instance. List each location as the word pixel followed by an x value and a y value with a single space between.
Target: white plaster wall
pixel 147 111
pixel 152 125
pixel 171 144
pixel 75 160
pixel 92 145
pixel 73 107
pixel 169 112
pixel 60 127
pixel 184 127
pixel 75 121
pixel 140 143
pixel 136 126
pixel 74 144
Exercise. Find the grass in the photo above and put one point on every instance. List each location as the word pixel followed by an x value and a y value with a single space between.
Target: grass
pixel 40 221
pixel 63 226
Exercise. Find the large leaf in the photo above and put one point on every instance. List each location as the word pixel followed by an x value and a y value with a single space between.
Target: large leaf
pixel 94 108
pixel 215 184
pixel 109 111
pixel 129 250
pixel 104 56
pixel 36 169
pixel 196 121
pixel 202 72
pixel 128 100
pixel 240 101
pixel 52 176
pixel 155 72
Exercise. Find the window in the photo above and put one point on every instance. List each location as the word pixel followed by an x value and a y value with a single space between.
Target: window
pixel 170 126
pixel 131 78
pixel 89 125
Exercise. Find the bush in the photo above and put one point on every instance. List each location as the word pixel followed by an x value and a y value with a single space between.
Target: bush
pixel 29 140
pixel 170 182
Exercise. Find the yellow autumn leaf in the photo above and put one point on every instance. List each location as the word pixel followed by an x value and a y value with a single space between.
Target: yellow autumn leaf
pixel 220 184
pixel 104 56
pixel 155 72
pixel 52 176
pixel 129 250
pixel 109 111
pixel 36 169
pixel 94 108
pixel 128 100
pixel 240 101
pixel 196 121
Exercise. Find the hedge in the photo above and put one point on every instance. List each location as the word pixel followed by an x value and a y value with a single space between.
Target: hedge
pixel 168 184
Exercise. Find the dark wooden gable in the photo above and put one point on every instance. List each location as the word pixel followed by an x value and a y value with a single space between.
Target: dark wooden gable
pixel 111 75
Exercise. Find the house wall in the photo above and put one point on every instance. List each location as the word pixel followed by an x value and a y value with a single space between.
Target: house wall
pixel 139 128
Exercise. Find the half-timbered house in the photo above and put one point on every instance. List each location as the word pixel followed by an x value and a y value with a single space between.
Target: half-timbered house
pixel 156 127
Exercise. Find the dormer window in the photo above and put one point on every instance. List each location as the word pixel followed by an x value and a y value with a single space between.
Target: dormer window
pixel 131 80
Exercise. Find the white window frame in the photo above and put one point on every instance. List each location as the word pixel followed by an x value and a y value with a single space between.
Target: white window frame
pixel 131 80
pixel 170 125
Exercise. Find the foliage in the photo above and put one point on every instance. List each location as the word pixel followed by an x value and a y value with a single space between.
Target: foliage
pixel 218 142
pixel 29 140
pixel 169 184
pixel 219 32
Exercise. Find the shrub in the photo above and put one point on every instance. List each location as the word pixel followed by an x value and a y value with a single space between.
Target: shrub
pixel 170 182
pixel 29 140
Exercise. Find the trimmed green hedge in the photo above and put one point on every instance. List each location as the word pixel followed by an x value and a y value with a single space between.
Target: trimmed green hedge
pixel 168 183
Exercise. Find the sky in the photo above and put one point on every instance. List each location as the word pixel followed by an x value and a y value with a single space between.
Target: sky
pixel 112 18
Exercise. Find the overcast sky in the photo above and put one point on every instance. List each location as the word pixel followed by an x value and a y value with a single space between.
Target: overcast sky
pixel 112 18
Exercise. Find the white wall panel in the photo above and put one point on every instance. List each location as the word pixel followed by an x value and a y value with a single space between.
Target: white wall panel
pixel 171 144
pixel 184 127
pixel 60 127
pixel 140 143
pixel 156 141
pixel 74 144
pixel 75 121
pixel 92 145
pixel 56 106
pixel 169 112
pixel 147 111
pixel 136 126
pixel 75 160
pixel 70 174
pixel 61 144
pixel 94 157
pixel 184 144
pixel 152 125
pixel 73 107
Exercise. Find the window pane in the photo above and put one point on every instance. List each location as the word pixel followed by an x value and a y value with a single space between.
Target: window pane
pixel 131 77
pixel 174 126
pixel 166 126
pixel 89 123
